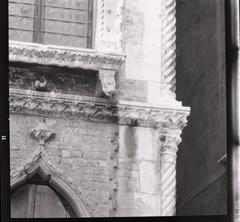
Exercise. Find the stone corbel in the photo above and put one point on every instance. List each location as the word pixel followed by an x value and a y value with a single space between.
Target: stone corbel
pixel 41 133
pixel 169 146
pixel 108 82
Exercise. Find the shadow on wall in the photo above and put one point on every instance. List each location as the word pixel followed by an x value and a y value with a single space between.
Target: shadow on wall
pixel 130 142
pixel 201 85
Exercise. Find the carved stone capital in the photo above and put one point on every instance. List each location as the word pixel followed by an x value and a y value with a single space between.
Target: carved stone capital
pixel 107 78
pixel 41 133
pixel 169 147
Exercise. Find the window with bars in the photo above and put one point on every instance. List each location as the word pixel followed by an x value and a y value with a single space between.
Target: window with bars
pixel 55 22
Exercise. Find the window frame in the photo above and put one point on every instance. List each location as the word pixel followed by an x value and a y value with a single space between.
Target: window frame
pixel 39 8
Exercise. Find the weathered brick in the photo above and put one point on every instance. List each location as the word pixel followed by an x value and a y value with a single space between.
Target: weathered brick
pixel 80 149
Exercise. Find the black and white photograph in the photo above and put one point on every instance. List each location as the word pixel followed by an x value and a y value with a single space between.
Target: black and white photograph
pixel 123 108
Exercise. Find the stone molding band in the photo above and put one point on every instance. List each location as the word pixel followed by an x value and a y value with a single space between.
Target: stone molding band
pixel 64 56
pixel 95 109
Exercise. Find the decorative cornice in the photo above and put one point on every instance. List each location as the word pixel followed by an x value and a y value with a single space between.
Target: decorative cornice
pixel 96 109
pixel 63 56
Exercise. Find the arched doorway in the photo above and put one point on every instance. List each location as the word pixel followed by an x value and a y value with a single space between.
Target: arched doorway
pixel 37 201
pixel 37 183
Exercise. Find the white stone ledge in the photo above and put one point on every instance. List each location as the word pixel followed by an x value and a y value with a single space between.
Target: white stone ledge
pixel 64 56
pixel 96 109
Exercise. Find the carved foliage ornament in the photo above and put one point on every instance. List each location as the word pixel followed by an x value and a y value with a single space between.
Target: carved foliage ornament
pixel 169 142
pixel 41 133
pixel 41 103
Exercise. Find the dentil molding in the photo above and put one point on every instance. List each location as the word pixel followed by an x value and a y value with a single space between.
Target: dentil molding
pixel 173 116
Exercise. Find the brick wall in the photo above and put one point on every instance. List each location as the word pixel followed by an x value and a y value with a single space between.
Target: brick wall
pixel 80 149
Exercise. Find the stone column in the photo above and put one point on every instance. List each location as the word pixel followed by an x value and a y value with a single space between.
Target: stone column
pixel 147 159
pixel 168 155
pixel 168 49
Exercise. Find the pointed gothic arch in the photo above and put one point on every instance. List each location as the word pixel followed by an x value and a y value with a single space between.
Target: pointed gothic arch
pixel 42 169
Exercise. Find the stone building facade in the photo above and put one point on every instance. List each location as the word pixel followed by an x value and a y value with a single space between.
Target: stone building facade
pixel 96 122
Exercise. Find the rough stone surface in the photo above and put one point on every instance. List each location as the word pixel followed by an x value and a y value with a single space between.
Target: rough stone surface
pixel 138 172
pixel 58 80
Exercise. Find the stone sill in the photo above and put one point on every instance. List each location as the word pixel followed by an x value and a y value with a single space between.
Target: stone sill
pixel 64 56
pixel 97 109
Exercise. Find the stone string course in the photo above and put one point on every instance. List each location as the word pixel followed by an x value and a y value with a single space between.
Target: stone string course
pixel 64 56
pixel 70 106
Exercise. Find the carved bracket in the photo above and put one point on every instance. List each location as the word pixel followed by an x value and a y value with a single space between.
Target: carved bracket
pixel 41 133
pixel 107 78
pixel 41 85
